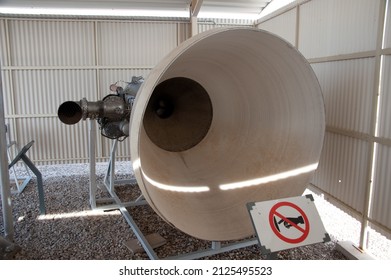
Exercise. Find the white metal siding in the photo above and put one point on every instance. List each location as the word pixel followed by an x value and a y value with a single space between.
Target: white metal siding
pixel 51 43
pixel 8 108
pixel 184 32
pixel 342 169
pixel 135 44
pixel 37 95
pixel 348 92
pixel 381 206
pixel 384 128
pixel 40 92
pixel 54 141
pixel 283 26
pixel 387 31
pixel 335 27
pixel 3 43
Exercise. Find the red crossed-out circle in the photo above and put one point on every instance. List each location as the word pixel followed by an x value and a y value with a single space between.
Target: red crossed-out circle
pixel 305 231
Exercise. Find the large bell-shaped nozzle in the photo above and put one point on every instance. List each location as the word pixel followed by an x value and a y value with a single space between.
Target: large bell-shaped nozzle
pixel 231 116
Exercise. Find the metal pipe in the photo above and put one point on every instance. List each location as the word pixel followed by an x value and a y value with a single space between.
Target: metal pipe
pixel 4 175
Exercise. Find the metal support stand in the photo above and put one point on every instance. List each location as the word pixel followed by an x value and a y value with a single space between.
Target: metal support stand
pixel 7 249
pixel 116 203
pixel 12 150
pixel 109 181
pixel 216 248
pixel 272 256
pixel 4 174
pixel 22 156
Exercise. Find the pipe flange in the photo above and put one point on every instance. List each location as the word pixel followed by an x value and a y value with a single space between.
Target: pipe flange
pixel 84 108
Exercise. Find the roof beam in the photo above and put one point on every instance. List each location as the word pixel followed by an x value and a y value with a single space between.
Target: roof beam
pixel 195 7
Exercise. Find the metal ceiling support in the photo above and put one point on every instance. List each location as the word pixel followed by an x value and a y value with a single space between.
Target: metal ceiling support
pixel 195 7
pixel 4 174
pixel 194 26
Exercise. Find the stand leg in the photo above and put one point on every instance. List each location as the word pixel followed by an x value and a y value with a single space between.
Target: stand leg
pixel 272 256
pixel 92 143
pixel 37 173
pixel 5 191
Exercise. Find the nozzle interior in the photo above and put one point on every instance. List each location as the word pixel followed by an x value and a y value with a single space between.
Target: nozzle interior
pixel 179 114
pixel 69 112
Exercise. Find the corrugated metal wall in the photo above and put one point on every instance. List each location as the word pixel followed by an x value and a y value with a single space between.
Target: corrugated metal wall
pixel 348 45
pixel 46 62
pixel 336 27
pixel 283 26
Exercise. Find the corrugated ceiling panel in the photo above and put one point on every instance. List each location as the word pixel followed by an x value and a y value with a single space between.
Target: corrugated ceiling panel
pixel 348 91
pixel 51 43
pixel 3 44
pixel 342 169
pixel 205 25
pixel 283 26
pixel 135 44
pixel 384 123
pixel 226 21
pixel 387 32
pixel 253 7
pixel 100 4
pixel 381 206
pixel 38 92
pixel 275 6
pixel 335 27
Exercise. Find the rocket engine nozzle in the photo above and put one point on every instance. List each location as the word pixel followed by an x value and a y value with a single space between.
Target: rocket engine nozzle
pixel 70 112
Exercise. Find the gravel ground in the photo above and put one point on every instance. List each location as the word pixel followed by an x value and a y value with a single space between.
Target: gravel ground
pixel 70 230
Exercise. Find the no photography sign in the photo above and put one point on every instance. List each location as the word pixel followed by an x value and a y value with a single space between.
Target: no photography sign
pixel 287 223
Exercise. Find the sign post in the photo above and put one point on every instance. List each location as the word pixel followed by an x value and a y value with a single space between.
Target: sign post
pixel 287 223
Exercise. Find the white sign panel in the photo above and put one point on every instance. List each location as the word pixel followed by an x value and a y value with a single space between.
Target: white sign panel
pixel 287 223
